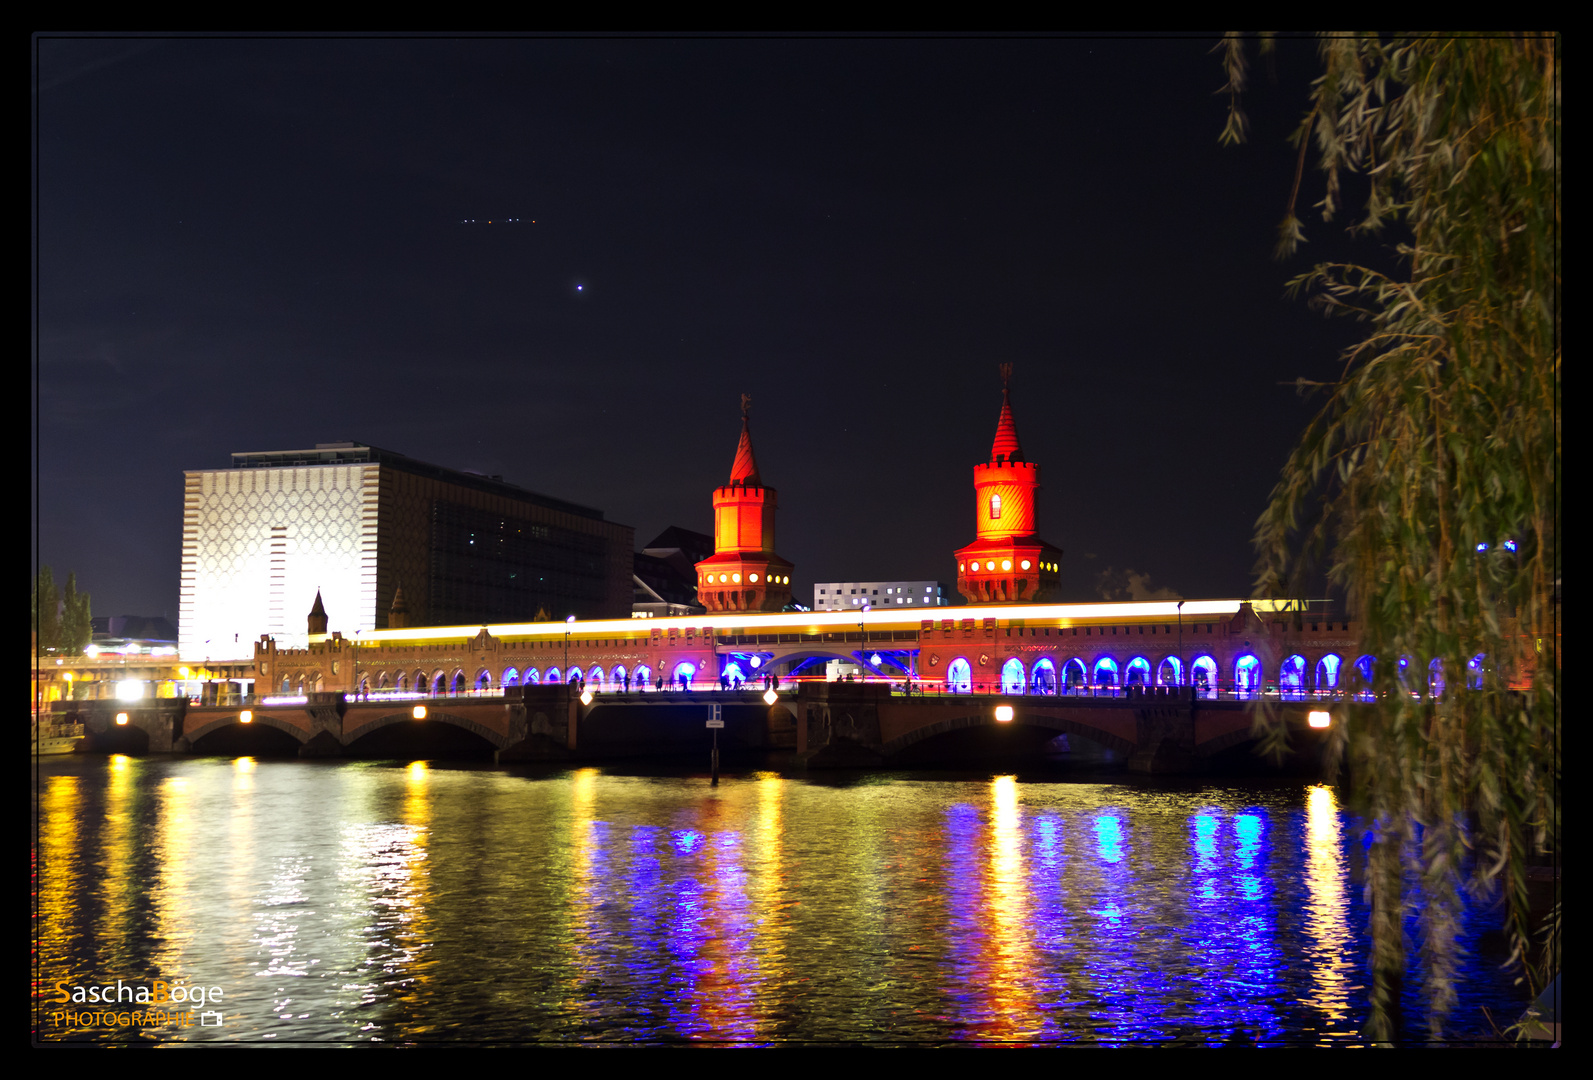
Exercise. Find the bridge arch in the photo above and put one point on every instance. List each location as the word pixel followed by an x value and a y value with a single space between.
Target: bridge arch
pixel 1203 673
pixel 483 679
pixel 684 672
pixel 1170 672
pixel 1247 672
pixel 1105 673
pixel 1137 672
pixel 434 717
pixel 511 676
pixel 1023 716
pixel 643 677
pixel 265 718
pixel 553 676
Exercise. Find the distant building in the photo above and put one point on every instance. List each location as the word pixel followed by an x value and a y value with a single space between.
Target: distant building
pixel 666 579
pixel 133 635
pixel 355 523
pixel 845 595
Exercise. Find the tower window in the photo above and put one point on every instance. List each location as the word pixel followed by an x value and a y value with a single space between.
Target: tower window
pixel 995 507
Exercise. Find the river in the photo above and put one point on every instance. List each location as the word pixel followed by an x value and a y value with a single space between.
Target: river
pixel 315 902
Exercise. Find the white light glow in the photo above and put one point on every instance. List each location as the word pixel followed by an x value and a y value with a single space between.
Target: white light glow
pixel 121 718
pixel 1320 719
pixel 419 712
pixel 246 717
pixel 1003 714
pixel 586 697
pixel 770 697
pixel 129 690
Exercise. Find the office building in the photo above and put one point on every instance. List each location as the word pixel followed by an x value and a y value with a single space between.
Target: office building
pixel 848 595
pixel 357 523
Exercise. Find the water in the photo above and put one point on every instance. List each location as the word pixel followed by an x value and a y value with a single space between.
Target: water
pixel 354 902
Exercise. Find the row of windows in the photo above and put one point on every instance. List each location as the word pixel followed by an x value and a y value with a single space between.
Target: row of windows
pixel 774 579
pixel 596 677
pixel 989 565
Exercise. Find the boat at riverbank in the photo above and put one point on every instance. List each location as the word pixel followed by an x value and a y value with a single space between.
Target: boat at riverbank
pixel 56 737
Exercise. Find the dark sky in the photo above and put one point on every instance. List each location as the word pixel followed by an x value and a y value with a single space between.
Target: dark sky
pixel 258 245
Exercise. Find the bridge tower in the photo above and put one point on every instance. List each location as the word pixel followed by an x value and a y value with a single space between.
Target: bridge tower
pixel 744 573
pixel 1007 563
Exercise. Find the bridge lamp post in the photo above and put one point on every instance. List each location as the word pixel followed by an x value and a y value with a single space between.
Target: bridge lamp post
pixel 862 645
pixel 569 620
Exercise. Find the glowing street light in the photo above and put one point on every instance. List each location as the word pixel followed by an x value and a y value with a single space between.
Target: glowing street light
pixel 1320 719
pixel 419 712
pixel 1004 714
pixel 246 717
pixel 770 697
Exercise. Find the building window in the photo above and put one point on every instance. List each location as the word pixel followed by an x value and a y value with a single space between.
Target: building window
pixel 995 507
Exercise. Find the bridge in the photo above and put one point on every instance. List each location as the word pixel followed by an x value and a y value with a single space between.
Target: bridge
pixel 819 725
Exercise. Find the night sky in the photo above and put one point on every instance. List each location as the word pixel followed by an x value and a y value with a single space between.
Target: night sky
pixel 265 244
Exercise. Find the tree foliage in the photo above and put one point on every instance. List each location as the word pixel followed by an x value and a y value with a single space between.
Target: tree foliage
pixel 62 619
pixel 1438 443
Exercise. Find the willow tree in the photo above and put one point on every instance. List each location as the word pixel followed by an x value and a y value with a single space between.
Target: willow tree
pixel 1427 487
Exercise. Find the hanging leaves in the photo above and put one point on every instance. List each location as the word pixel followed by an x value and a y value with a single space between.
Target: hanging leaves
pixel 1427 487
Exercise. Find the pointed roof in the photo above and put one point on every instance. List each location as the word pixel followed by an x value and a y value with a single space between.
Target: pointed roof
pixel 319 609
pixel 745 469
pixel 399 605
pixel 1006 447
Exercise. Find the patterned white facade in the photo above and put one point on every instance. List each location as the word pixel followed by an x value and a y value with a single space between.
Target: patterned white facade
pixel 259 542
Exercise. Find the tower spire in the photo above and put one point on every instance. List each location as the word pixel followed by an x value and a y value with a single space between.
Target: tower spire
pixel 1006 447
pixel 744 470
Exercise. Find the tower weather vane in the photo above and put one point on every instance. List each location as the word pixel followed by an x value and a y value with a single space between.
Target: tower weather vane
pixel 746 403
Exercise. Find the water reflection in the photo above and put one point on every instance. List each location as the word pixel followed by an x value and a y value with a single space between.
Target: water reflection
pixel 357 902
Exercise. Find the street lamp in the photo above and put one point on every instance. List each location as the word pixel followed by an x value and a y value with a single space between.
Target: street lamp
pixel 862 646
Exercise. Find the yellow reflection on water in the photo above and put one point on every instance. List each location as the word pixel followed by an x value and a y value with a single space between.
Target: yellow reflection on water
pixel 172 896
pixel 1326 905
pixel 118 841
pixel 1007 912
pixel 585 897
pixel 57 868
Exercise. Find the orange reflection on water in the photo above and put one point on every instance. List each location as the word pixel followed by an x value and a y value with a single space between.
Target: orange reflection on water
pixel 1009 959
pixel 1332 942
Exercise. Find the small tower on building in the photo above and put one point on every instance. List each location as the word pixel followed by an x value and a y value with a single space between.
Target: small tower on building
pixel 318 615
pixel 398 614
pixel 1007 563
pixel 744 573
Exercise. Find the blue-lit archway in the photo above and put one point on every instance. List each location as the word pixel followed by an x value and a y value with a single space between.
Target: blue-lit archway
pixel 1137 673
pixel 531 677
pixel 1073 675
pixel 1291 677
pixel 959 676
pixel 553 676
pixel 1105 672
pixel 643 676
pixel 684 671
pixel 1474 672
pixel 1247 674
pixel 617 677
pixel 1044 676
pixel 594 678
pixel 1170 672
pixel 733 674
pixel 1327 672
pixel 1203 673
pixel 1013 677
pixel 511 677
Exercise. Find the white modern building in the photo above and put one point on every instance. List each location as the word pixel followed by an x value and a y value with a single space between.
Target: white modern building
pixel 847 595
pixel 357 524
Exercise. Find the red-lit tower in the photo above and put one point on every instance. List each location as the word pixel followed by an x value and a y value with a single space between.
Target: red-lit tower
pixel 1006 563
pixel 744 573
